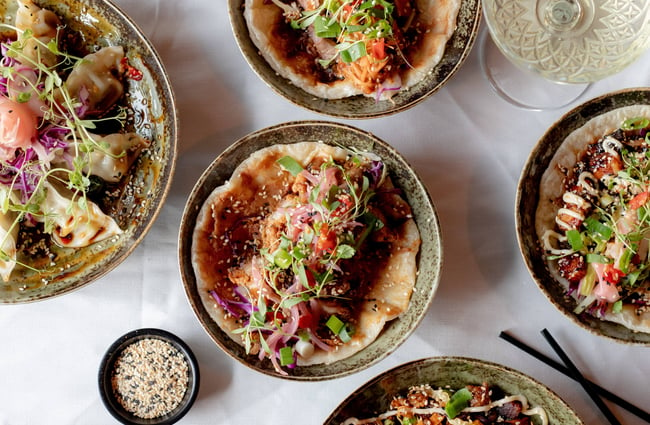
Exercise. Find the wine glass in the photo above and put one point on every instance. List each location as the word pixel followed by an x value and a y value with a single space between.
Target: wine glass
pixel 543 54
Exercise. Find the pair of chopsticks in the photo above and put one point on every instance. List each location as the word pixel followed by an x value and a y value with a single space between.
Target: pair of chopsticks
pixel 594 391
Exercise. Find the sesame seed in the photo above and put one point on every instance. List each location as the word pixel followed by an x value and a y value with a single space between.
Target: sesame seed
pixel 150 378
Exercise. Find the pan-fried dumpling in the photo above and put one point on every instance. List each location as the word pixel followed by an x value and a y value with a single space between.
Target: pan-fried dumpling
pixel 72 225
pixel 113 163
pixel 8 237
pixel 95 81
pixel 44 25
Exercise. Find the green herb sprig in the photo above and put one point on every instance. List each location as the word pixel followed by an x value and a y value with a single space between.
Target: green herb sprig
pixel 62 111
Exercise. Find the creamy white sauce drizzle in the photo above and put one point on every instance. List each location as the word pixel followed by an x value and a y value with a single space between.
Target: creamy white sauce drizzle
pixel 538 411
pixel 571 198
pixel 587 181
pixel 550 234
pixel 610 145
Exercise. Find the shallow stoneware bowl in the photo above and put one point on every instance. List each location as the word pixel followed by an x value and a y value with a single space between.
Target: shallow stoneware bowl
pixel 403 176
pixel 375 396
pixel 152 104
pixel 361 107
pixel 527 200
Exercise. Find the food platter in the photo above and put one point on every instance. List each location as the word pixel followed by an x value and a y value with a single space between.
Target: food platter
pixel 375 396
pixel 404 177
pixel 528 199
pixel 360 107
pixel 152 110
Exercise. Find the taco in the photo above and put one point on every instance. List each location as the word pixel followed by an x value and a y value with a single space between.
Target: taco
pixel 305 253
pixel 593 217
pixel 334 50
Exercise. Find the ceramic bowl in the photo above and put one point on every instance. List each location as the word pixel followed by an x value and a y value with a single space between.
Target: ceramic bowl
pixel 154 117
pixel 112 357
pixel 375 396
pixel 527 200
pixel 404 177
pixel 361 107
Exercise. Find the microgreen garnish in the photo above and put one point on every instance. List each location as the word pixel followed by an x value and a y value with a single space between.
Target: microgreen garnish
pixel 318 233
pixel 613 239
pixel 352 24
pixel 63 124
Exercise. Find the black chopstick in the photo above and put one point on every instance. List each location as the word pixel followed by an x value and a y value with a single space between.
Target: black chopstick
pixel 561 368
pixel 581 379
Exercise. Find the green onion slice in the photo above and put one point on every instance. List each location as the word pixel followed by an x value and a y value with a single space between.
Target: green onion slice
pixel 458 401
pixel 345 335
pixel 282 258
pixel 335 324
pixel 286 356
pixel 597 258
pixel 575 239
pixel 595 227
pixel 290 164
pixel 636 123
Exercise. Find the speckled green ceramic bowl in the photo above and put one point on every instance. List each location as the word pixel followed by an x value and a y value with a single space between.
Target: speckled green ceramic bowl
pixel 527 200
pixel 154 117
pixel 361 107
pixel 375 396
pixel 403 176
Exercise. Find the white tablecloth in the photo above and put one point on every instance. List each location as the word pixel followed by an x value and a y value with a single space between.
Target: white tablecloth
pixel 469 147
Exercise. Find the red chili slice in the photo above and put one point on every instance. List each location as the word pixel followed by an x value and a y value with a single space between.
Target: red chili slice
pixel 639 200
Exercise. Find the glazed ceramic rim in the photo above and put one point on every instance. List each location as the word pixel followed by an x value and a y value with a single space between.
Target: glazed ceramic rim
pixel 469 361
pixel 526 236
pixel 165 176
pixel 207 183
pixel 108 362
pixel 468 20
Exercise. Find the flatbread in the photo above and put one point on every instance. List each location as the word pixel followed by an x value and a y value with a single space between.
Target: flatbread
pixel 552 188
pixel 259 186
pixel 436 17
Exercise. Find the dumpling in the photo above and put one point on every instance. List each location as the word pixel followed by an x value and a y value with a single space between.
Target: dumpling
pixel 95 81
pixel 44 26
pixel 113 163
pixel 72 225
pixel 8 237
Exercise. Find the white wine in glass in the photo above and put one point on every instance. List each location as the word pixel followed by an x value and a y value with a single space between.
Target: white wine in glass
pixel 570 43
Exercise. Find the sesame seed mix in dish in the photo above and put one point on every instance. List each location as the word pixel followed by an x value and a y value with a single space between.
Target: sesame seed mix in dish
pixel 337 49
pixel 470 405
pixel 64 148
pixel 593 217
pixel 150 378
pixel 305 253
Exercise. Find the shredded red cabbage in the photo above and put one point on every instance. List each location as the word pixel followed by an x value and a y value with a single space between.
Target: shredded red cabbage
pixel 236 308
pixel 375 171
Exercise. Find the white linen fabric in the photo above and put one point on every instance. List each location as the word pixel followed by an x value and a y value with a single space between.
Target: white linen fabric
pixel 467 144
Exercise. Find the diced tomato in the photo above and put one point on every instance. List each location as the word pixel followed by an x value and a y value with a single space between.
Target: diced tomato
pixel 306 321
pixel 345 203
pixel 379 49
pixel 326 240
pixel 274 315
pixel 311 280
pixel 612 275
pixel 639 200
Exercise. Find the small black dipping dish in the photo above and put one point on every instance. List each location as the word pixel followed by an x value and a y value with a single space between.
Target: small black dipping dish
pixel 129 343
